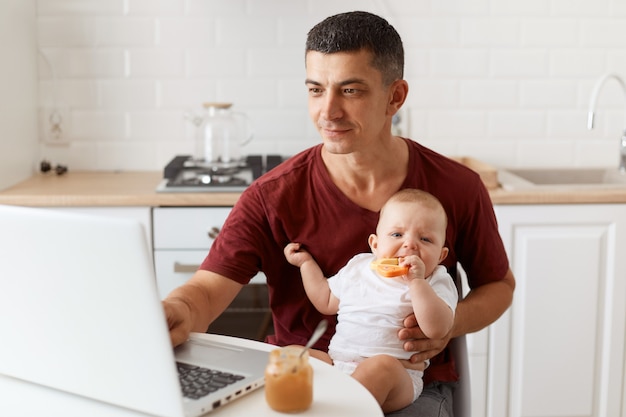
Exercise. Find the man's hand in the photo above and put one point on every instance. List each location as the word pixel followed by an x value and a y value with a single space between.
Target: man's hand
pixel 416 341
pixel 178 316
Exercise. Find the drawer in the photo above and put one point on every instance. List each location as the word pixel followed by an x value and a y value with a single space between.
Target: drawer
pixel 187 228
pixel 174 267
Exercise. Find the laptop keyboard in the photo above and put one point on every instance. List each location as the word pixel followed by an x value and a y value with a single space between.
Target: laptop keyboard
pixel 197 381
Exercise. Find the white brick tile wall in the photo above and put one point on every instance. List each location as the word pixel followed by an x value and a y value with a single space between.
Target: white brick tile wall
pixel 214 7
pixel 124 31
pixel 536 153
pixel 215 63
pixel 65 31
pixel 461 7
pixel 246 93
pixel 601 33
pixel 506 81
pixel 275 63
pixel 489 94
pixel 428 32
pixel 235 31
pixel 519 63
pixel 416 63
pixel 148 125
pixel 155 7
pixel 186 94
pixel 275 8
pixel 550 32
pixel 156 62
pixel 462 63
pixel 80 7
pixel 548 93
pixel 185 32
pixel 433 94
pixel 97 125
pixel 127 94
pixel 455 124
pixel 582 8
pixel 126 156
pixel 518 124
pixel 577 63
pixel 521 8
pixel 76 94
pixel 617 8
pixel 485 31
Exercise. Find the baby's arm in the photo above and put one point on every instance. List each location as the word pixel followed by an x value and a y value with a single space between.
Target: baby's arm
pixel 313 279
pixel 434 316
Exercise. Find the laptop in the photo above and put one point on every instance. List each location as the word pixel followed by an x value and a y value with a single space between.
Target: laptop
pixel 80 313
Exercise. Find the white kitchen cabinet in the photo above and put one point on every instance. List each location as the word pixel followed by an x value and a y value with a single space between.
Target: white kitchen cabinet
pixel 560 349
pixel 182 238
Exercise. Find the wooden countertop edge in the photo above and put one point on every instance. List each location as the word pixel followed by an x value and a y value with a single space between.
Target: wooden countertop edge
pixel 99 200
pixel 109 189
pixel 558 196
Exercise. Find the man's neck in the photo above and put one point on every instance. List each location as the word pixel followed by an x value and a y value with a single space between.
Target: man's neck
pixel 369 179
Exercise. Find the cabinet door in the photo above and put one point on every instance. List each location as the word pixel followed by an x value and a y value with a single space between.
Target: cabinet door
pixel 182 239
pixel 187 227
pixel 559 350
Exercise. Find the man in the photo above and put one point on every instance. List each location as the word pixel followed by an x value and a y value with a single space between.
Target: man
pixel 328 198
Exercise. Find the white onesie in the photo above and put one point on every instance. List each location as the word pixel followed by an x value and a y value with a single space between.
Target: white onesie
pixel 372 310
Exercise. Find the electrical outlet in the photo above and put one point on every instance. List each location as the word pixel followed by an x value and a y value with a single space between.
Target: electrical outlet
pixel 54 125
pixel 400 123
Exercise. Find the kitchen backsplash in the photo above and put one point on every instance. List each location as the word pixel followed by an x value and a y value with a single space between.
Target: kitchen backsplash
pixel 505 81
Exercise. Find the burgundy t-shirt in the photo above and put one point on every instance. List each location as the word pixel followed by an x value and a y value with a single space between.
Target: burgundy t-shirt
pixel 298 202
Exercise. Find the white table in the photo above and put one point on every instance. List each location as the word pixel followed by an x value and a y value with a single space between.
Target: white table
pixel 334 394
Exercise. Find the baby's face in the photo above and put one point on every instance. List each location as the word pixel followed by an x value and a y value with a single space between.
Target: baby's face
pixel 407 228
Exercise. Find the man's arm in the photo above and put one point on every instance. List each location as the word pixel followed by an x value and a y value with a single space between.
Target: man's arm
pixel 481 307
pixel 194 305
pixel 484 305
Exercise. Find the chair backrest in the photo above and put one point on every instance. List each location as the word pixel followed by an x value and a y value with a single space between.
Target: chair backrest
pixel 458 347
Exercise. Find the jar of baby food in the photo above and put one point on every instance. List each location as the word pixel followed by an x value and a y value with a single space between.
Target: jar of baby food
pixel 289 380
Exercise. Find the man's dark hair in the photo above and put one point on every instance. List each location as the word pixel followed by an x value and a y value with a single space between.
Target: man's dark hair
pixel 354 31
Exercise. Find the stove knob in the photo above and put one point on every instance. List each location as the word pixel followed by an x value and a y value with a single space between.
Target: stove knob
pixel 213 232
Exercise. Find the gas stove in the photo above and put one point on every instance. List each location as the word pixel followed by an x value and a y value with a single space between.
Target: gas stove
pixel 183 174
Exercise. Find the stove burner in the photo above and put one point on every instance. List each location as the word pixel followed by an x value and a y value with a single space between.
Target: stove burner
pixel 208 177
pixel 200 164
pixel 184 174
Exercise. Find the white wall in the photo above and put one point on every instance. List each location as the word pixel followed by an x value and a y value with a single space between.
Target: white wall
pixel 507 81
pixel 18 91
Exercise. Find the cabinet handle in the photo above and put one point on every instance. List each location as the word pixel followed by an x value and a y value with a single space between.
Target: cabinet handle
pixel 185 268
pixel 213 232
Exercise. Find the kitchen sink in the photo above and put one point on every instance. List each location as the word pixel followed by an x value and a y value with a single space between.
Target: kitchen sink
pixel 561 177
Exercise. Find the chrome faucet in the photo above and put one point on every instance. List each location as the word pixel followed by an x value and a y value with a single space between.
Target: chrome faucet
pixel 592 107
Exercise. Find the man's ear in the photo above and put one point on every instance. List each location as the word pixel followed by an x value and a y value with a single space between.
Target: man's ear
pixel 398 92
pixel 373 242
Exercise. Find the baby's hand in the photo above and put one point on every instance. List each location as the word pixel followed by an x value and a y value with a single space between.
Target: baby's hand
pixel 295 255
pixel 416 266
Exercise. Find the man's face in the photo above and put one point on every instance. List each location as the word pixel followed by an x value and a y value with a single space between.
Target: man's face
pixel 348 102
